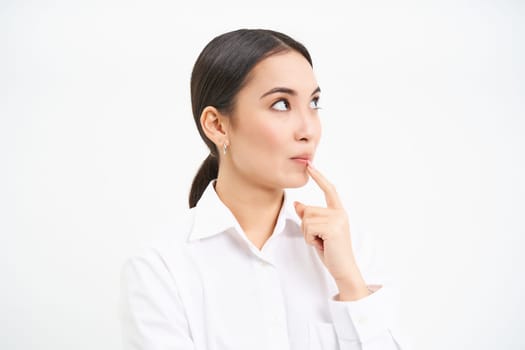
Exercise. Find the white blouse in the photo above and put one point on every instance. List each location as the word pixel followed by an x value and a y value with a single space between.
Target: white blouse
pixel 207 287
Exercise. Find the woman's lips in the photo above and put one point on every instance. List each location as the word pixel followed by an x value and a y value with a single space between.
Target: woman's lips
pixel 301 160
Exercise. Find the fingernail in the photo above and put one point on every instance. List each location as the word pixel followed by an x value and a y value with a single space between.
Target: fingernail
pixel 310 164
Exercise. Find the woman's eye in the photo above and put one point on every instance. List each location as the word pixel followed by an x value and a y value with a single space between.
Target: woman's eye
pixel 281 105
pixel 314 104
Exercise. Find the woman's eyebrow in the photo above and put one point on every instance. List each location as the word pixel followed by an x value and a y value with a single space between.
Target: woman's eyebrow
pixel 287 91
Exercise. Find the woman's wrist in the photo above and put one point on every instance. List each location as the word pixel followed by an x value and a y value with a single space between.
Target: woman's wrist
pixel 353 294
pixel 352 288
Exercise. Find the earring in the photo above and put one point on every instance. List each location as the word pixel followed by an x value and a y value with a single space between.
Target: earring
pixel 224 146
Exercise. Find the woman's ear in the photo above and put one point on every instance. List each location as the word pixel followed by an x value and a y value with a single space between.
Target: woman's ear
pixel 214 125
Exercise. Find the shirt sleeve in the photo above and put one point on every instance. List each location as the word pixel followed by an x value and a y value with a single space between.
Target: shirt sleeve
pixel 372 322
pixel 151 312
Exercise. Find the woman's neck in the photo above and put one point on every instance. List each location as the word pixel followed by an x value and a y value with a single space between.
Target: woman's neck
pixel 255 207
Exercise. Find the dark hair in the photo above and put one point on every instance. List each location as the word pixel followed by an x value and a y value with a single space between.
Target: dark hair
pixel 219 74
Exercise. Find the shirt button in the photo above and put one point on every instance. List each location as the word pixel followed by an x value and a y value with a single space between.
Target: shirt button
pixel 263 263
pixel 362 320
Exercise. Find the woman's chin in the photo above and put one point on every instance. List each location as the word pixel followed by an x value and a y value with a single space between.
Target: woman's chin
pixel 296 181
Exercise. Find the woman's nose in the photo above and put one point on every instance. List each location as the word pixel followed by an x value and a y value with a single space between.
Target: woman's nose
pixel 307 125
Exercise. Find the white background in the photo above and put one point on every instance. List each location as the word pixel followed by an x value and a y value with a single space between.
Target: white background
pixel 423 116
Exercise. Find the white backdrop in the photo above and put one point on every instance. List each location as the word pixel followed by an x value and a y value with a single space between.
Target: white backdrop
pixel 423 116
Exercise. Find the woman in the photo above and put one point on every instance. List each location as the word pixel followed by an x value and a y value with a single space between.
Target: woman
pixel 249 268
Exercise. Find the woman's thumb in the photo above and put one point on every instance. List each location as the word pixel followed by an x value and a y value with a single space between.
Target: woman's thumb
pixel 299 208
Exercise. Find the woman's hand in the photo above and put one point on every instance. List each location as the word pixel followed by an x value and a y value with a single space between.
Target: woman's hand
pixel 327 229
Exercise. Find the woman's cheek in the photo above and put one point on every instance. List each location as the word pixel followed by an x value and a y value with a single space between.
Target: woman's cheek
pixel 272 136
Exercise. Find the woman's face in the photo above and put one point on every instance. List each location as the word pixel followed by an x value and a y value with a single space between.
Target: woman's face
pixel 275 125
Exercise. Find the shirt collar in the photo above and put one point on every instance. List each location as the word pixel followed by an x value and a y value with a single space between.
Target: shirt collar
pixel 212 216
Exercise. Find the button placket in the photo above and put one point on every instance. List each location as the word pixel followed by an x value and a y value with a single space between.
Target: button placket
pixel 272 305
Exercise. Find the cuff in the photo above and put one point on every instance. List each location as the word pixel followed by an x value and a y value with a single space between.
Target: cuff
pixel 366 318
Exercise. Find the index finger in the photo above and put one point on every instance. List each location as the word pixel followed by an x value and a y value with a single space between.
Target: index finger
pixel 332 198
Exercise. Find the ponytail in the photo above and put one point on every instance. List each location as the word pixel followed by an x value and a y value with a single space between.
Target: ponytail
pixel 207 172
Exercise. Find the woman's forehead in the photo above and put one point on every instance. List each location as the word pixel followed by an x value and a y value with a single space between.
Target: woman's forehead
pixel 288 69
